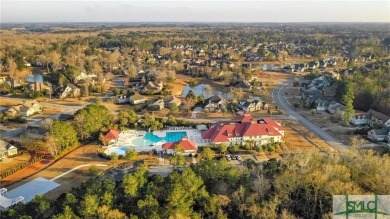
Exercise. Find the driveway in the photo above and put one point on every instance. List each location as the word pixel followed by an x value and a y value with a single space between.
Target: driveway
pixel 278 95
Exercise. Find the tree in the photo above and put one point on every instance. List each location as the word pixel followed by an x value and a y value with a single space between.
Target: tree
pixel 104 212
pixel 66 214
pixel 222 148
pixel 178 149
pixel 207 154
pixel 91 119
pixel 93 170
pixel 177 160
pixel 234 148
pixel 131 153
pixel 113 59
pixel 55 60
pixel 114 159
pixel 5 88
pixel 132 71
pixel 148 206
pixel 63 134
pixel 12 68
pixel 347 99
pixel 131 183
pixel 89 205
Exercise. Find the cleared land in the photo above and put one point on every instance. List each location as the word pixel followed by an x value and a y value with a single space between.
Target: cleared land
pixel 9 163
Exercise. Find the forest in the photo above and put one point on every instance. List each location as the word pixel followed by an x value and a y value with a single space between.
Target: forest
pixel 299 186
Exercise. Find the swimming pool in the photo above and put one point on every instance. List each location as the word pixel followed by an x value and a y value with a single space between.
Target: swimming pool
pixel 146 142
pixel 150 138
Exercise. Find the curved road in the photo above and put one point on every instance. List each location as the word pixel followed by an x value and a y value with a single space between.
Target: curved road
pixel 278 95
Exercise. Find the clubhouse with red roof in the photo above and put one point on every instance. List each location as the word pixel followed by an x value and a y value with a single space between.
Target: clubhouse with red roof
pixel 244 128
pixel 186 145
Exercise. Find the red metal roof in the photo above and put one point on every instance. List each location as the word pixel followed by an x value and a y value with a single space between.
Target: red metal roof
pixel 185 143
pixel 245 125
pixel 112 135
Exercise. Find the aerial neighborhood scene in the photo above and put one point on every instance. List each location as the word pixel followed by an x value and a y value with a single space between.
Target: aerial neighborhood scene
pixel 210 109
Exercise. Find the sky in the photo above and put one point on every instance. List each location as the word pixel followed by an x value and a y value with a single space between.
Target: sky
pixel 194 11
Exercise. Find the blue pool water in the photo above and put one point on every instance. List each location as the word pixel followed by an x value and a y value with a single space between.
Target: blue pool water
pixel 150 138
pixel 144 143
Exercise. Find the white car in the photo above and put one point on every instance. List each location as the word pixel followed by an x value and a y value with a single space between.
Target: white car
pixel 228 157
pixel 238 157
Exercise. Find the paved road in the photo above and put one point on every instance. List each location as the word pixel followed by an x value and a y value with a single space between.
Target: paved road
pixel 278 95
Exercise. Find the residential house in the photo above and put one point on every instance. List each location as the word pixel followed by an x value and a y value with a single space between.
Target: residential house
pixel 321 105
pixel 312 65
pixel 359 120
pixel 215 103
pixel 320 82
pixel 188 146
pixel 250 105
pixel 323 64
pixel 311 93
pixel 171 100
pixel 377 118
pixel 336 108
pixel 7 150
pixel 13 111
pixel 382 134
pixel 137 98
pixel 244 85
pixel 70 91
pixel 244 128
pixel 120 99
pixel 30 107
pixel 158 105
pixel 112 136
pixel 152 87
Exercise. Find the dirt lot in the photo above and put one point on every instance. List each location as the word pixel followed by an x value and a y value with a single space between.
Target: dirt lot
pixel 9 163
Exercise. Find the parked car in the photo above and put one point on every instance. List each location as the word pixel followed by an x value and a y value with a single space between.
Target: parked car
pixel 233 157
pixel 238 157
pixel 228 157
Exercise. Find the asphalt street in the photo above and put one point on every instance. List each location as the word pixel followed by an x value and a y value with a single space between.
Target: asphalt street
pixel 278 95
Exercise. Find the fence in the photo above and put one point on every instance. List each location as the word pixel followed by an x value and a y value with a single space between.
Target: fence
pixel 23 165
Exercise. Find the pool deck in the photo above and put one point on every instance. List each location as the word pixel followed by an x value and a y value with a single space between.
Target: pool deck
pixel 126 138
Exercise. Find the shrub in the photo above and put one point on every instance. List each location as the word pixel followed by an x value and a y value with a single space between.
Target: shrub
pixel 93 170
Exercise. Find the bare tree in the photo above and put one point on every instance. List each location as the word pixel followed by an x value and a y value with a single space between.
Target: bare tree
pixel 55 60
pixel 12 68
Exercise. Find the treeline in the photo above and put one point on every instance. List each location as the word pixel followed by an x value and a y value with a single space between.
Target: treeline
pixel 370 89
pixel 299 186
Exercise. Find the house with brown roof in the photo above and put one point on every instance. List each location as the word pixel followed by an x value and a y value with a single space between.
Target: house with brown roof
pixel 244 128
pixel 30 108
pixel 158 105
pixel 186 145
pixel 152 87
pixel 171 100
pixel 137 98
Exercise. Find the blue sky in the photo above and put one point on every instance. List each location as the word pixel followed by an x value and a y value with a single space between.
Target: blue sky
pixel 194 11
